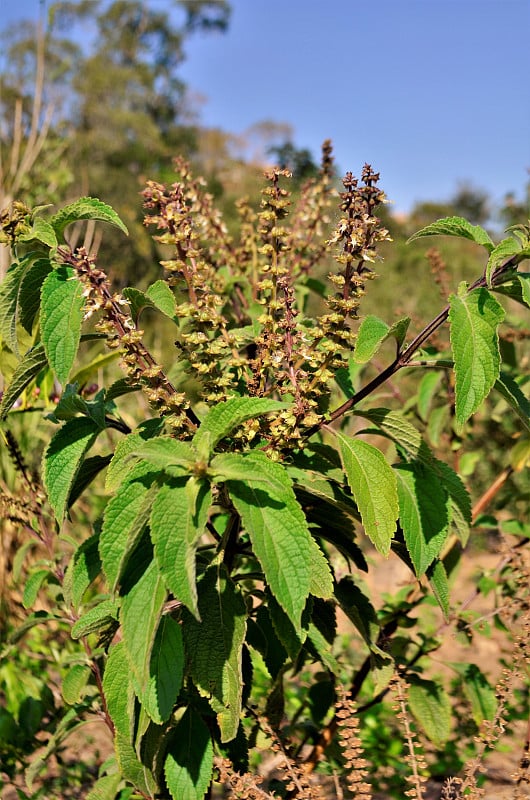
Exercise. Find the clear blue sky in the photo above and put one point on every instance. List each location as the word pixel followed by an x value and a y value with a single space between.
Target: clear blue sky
pixel 430 92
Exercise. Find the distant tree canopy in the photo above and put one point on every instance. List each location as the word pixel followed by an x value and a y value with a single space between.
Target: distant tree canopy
pixel 299 161
pixel 112 83
pixel 468 201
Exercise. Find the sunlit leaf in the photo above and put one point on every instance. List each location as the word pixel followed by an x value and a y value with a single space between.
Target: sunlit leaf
pixel 474 318
pixel 456 226
pixel 373 484
pixel 62 305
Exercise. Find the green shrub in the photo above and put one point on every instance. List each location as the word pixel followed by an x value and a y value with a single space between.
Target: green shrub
pixel 254 473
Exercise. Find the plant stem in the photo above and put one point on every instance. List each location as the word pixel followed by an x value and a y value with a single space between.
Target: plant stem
pixel 403 359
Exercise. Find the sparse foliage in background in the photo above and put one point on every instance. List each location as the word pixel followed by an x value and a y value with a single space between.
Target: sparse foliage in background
pixel 202 524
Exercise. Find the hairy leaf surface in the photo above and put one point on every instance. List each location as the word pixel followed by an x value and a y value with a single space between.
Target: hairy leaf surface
pixel 214 647
pixel 140 615
pixel 63 459
pixel 440 586
pixel 84 567
pixel 373 332
pixel 370 336
pixel 122 464
pixel 9 289
pixel 278 531
pixel 373 484
pixel 32 363
pixel 500 254
pixel 126 516
pixel 96 618
pixel 456 226
pixel 189 761
pixel 431 706
pixel 85 208
pixel 62 304
pixel 474 318
pixel 424 513
pixel 165 671
pixel 120 698
pixel 118 689
pixel 41 231
pixel 166 453
pixel 360 611
pixel 223 418
pixel 176 527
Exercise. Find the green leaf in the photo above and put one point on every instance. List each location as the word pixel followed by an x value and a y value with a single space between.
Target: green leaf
pixel 165 671
pixel 278 531
pixel 74 682
pixel 163 298
pixel 323 650
pixel 122 464
pixel 168 454
pixel 118 689
pixel 133 770
pixel 62 304
pixel 85 208
pixel 9 292
pixel 120 698
pixel 32 363
pixel 399 429
pixel 398 330
pixel 431 707
pixel 424 513
pixel 510 390
pixel 500 254
pixel 82 570
pixel 409 440
pixel 137 301
pixel 373 484
pixel 176 527
pixel 214 647
pixel 370 336
pixel 29 292
pixel 517 287
pixel 438 579
pixel 456 226
pixel 33 586
pixel 140 615
pixel 158 296
pixel 223 418
pixel 478 691
pixel 189 761
pixel 373 332
pixel 89 470
pixel 41 231
pixel 72 404
pixel 524 280
pixel 105 788
pixel 426 391
pixel 125 519
pixel 320 577
pixel 291 639
pixel 63 459
pixel 262 636
pixel 360 611
pixel 459 499
pixel 98 617
pixel 474 319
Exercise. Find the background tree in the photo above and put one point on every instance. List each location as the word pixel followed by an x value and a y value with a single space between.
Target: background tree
pixel 111 72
